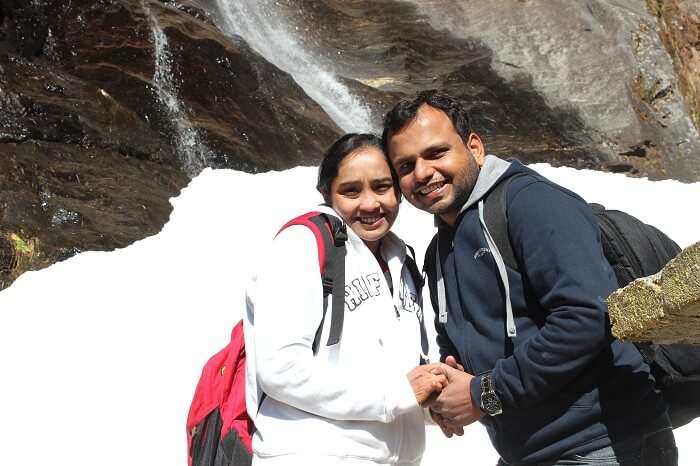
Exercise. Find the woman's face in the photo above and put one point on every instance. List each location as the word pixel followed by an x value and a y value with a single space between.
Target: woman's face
pixel 363 194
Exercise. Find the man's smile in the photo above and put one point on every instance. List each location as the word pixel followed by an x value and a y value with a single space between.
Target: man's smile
pixel 430 188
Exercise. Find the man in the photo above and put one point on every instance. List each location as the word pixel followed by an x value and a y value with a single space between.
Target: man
pixel 541 371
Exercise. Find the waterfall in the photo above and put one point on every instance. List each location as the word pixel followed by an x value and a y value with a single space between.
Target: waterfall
pixel 258 22
pixel 191 151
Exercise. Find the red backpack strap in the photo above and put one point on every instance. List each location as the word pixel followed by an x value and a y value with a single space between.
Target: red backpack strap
pixel 331 234
pixel 321 230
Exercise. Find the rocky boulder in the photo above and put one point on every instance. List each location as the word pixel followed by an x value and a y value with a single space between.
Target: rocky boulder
pixel 662 308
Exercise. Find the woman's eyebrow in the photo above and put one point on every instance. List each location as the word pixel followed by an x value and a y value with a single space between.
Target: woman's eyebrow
pixel 348 183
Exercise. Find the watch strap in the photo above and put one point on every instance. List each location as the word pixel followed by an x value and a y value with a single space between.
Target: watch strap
pixel 489 401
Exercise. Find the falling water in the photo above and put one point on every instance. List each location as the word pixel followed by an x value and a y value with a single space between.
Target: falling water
pixel 258 22
pixel 192 153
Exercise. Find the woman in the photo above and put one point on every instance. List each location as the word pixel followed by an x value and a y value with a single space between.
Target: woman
pixel 356 402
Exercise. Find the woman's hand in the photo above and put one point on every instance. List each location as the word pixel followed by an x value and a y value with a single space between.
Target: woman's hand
pixel 427 381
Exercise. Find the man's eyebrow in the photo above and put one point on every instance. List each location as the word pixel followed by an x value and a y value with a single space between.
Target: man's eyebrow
pixel 402 158
pixel 436 147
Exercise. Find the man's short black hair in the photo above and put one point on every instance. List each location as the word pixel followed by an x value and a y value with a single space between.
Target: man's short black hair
pixel 406 109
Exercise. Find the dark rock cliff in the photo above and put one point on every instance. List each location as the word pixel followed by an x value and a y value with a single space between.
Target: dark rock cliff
pixel 89 156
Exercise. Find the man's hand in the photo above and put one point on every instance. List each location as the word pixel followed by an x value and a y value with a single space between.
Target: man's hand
pixel 453 408
pixel 452 362
pixel 437 418
pixel 448 431
pixel 427 381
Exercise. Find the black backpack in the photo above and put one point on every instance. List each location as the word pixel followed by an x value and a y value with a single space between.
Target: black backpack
pixel 633 249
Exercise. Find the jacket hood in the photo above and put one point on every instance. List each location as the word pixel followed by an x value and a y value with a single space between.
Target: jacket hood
pixel 490 173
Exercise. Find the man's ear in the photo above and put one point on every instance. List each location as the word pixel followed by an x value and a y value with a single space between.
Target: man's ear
pixel 476 147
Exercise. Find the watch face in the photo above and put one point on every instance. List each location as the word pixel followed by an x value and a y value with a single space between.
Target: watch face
pixel 491 404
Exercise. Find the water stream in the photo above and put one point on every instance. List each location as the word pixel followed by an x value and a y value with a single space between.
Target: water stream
pixel 191 151
pixel 261 25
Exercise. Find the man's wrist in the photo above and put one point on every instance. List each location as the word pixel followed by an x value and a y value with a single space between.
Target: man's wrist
pixel 475 391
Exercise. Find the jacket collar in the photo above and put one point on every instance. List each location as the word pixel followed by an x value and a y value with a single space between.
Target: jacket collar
pixel 490 174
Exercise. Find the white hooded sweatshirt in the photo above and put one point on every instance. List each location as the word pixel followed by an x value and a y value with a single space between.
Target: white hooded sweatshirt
pixel 351 403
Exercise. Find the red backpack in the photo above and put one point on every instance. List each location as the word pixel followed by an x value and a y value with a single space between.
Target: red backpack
pixel 219 429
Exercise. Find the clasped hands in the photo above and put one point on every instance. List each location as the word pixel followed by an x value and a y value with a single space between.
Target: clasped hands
pixel 444 389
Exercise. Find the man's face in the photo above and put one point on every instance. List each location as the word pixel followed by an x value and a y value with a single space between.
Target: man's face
pixel 437 171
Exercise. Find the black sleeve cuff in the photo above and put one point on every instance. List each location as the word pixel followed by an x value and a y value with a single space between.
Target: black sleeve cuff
pixel 475 390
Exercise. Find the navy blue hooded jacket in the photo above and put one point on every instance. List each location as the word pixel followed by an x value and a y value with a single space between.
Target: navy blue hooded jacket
pixel 566 386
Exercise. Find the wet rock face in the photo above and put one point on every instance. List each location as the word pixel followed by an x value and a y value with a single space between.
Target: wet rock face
pixel 218 81
pixel 576 83
pixel 88 155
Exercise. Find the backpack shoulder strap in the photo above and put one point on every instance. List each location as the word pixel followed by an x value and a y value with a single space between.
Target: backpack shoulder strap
pixel 418 282
pixel 335 277
pixel 429 259
pixel 331 234
pixel 496 218
pixel 418 278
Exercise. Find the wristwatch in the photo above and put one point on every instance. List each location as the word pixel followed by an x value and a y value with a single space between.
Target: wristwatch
pixel 490 404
